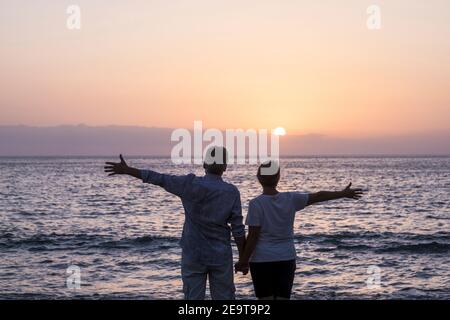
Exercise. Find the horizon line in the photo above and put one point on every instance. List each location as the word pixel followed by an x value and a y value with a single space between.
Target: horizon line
pixel 344 155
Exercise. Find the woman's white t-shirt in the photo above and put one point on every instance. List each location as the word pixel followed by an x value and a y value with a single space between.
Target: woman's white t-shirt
pixel 275 215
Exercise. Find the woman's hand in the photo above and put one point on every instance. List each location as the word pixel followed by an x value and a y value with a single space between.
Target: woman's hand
pixel 352 193
pixel 241 267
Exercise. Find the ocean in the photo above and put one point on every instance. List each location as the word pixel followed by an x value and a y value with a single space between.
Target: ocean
pixel 57 214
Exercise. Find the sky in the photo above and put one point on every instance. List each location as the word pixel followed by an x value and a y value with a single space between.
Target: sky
pixel 312 67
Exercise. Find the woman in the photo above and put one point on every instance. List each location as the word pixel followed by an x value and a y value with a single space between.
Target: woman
pixel 269 251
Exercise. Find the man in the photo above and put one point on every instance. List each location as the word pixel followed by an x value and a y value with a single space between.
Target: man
pixel 211 206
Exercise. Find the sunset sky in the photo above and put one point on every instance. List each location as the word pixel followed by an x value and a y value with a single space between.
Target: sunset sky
pixel 312 67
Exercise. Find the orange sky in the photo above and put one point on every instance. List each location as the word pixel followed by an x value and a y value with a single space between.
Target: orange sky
pixel 309 67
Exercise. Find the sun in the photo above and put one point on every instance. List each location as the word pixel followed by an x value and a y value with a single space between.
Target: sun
pixel 279 131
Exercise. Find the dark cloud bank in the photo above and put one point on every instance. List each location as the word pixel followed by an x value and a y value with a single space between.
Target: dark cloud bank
pixel 84 140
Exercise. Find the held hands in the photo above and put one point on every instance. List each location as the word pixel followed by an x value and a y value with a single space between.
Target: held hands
pixel 352 193
pixel 116 167
pixel 241 267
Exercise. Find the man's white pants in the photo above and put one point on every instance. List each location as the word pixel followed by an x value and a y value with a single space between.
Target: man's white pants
pixel 221 281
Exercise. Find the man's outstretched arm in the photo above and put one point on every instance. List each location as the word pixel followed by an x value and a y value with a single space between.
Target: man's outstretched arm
pixel 171 183
pixel 122 167
pixel 333 195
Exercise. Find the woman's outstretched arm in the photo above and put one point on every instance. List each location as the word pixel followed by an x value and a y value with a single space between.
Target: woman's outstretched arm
pixel 333 195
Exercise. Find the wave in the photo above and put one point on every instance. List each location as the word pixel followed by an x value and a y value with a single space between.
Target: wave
pixel 138 242
pixel 381 242
pixel 72 241
pixel 419 248
pixel 368 235
pixel 430 247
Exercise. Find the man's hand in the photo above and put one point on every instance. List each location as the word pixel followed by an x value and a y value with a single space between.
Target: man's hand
pixel 241 267
pixel 117 167
pixel 352 193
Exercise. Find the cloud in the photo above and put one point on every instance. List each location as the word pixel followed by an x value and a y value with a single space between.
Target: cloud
pixel 414 144
pixel 85 140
